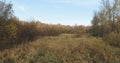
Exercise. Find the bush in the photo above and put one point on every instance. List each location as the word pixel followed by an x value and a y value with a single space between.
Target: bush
pixel 113 39
pixel 27 32
pixel 8 33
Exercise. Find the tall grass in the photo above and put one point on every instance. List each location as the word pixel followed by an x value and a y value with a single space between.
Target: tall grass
pixel 62 49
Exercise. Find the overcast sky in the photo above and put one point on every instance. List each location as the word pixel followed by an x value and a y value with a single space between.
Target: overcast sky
pixel 68 12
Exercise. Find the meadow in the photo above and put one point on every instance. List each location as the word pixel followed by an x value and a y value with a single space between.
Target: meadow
pixel 65 48
pixel 36 42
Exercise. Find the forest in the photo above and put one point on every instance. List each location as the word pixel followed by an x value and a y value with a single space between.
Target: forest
pixel 37 42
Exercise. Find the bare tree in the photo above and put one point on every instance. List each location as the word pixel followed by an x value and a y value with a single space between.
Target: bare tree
pixel 106 17
pixel 6 11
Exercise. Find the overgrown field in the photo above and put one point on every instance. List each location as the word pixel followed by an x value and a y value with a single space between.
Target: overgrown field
pixel 65 48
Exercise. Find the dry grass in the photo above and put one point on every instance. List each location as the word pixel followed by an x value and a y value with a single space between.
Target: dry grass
pixel 65 48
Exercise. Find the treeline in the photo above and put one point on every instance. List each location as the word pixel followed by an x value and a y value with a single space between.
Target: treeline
pixel 106 22
pixel 14 31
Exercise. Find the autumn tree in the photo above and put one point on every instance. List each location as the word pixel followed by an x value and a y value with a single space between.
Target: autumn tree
pixel 8 30
pixel 106 22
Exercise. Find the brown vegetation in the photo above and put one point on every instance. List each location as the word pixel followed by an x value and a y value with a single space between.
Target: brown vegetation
pixel 65 48
pixel 14 31
pixel 106 24
pixel 30 42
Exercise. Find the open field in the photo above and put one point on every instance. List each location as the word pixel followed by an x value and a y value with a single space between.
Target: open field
pixel 65 48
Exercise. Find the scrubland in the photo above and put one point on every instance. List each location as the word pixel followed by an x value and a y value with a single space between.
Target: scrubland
pixel 36 42
pixel 65 48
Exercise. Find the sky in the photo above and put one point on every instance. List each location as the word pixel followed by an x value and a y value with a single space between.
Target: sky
pixel 67 12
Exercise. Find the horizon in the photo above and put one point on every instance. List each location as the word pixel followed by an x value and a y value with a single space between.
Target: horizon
pixel 66 12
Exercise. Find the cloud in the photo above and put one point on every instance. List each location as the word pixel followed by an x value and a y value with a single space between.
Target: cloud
pixel 75 2
pixel 61 1
pixel 22 8
pixel 19 6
